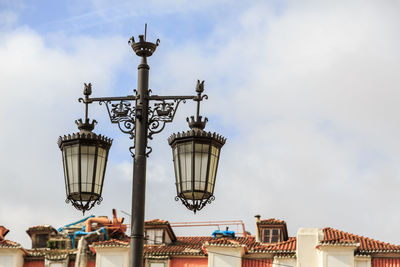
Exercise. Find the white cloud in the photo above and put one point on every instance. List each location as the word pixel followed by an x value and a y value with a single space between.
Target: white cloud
pixel 39 90
pixel 306 96
pixel 312 95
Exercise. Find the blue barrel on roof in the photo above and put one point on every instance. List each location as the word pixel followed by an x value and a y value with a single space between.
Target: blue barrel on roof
pixel 226 233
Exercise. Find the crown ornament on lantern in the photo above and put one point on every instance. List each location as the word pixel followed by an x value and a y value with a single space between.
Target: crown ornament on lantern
pixel 198 122
pixel 86 125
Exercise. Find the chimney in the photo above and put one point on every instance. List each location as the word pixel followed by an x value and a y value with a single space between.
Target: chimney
pixel 258 217
pixel 3 232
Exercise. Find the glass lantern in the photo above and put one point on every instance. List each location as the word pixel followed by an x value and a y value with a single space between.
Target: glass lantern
pixel 84 159
pixel 196 156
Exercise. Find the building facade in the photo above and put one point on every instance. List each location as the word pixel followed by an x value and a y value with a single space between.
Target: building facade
pixel 270 246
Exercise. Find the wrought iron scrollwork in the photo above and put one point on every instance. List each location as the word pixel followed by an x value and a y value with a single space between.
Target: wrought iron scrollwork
pixel 132 149
pixel 195 205
pixel 160 114
pixel 84 205
pixel 123 114
pixel 149 150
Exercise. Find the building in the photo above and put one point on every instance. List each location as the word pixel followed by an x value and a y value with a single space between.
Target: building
pixel 106 245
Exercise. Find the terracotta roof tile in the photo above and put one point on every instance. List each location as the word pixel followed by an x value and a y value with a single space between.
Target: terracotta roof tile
pixel 9 244
pixel 52 254
pixel 333 236
pixel 110 243
pixel 239 241
pixel 182 246
pixel 39 228
pixel 272 221
pixel 156 222
pixel 285 246
pixel 194 245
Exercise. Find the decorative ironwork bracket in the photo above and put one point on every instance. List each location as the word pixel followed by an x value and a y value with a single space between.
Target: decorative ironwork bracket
pixel 195 205
pixel 121 111
pixel 84 205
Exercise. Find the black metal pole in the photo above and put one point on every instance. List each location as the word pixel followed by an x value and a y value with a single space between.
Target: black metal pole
pixel 139 166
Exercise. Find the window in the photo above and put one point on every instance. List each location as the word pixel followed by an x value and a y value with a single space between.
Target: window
pixel 42 240
pixel 154 236
pixel 271 236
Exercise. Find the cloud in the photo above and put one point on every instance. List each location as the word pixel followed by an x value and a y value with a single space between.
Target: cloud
pixel 306 94
pixel 310 94
pixel 40 86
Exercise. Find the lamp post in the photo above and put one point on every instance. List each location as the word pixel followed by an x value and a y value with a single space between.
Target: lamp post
pixel 195 153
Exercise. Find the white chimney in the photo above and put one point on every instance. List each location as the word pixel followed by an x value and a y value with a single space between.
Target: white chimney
pixel 258 219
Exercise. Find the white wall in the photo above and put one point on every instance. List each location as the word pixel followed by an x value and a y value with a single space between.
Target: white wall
pixel 279 262
pixel 306 252
pixel 112 257
pixel 362 262
pixel 337 256
pixel 11 258
pixel 6 260
pixel 224 256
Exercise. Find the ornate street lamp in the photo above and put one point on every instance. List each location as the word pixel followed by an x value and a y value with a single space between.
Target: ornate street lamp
pixel 196 155
pixel 141 115
pixel 84 158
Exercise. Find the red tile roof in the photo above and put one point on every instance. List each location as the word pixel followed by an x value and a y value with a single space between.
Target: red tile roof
pixel 182 246
pixel 194 245
pixel 228 242
pixel 333 236
pixel 9 244
pixel 110 243
pixel 272 221
pixel 39 228
pixel 156 222
pixel 51 254
pixel 281 247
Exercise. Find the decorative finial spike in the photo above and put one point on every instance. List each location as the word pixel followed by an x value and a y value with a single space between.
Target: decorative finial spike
pixel 200 86
pixel 88 89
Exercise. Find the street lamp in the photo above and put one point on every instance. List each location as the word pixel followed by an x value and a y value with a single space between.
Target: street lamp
pixel 196 152
pixel 196 155
pixel 84 159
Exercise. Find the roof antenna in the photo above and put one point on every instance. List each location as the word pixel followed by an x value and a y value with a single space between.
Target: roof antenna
pixel 145 31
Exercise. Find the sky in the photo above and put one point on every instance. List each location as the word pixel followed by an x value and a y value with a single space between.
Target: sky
pixel 306 93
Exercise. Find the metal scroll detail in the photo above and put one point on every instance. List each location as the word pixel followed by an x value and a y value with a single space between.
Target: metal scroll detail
pixel 123 114
pixel 195 205
pixel 84 205
pixel 160 114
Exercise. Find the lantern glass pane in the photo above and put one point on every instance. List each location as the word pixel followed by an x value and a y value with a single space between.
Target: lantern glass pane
pixel 72 155
pixel 65 171
pixel 185 152
pixel 200 159
pixel 87 165
pixel 101 160
pixel 177 171
pixel 213 168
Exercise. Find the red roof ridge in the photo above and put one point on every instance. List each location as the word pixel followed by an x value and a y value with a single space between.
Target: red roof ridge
pixel 9 244
pixel 156 221
pixel 366 243
pixel 272 221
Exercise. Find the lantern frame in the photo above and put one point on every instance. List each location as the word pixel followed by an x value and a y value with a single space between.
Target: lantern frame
pixel 206 194
pixel 84 199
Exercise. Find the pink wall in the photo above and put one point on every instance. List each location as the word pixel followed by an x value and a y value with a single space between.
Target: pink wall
pixel 34 264
pixel 88 264
pixel 386 262
pixel 189 262
pixel 257 263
